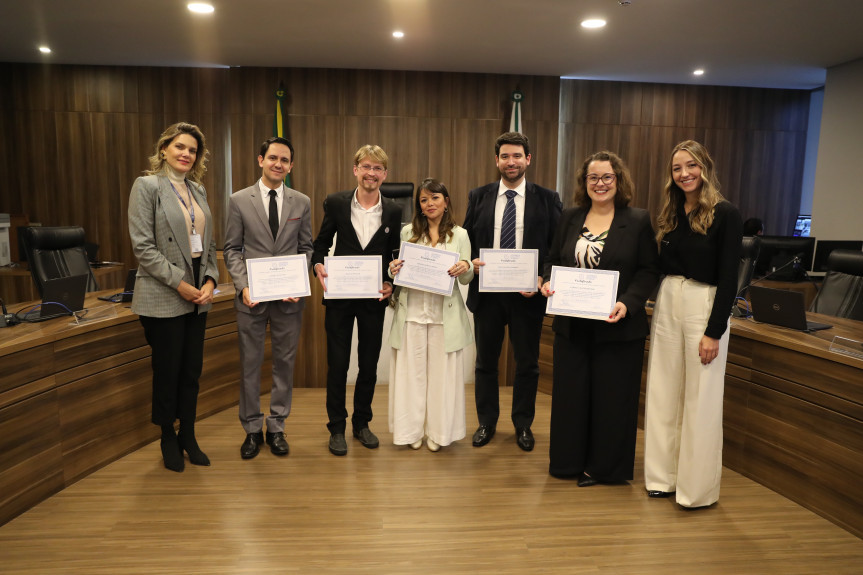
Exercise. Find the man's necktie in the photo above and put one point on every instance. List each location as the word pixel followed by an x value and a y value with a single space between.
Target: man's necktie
pixel 507 225
pixel 274 214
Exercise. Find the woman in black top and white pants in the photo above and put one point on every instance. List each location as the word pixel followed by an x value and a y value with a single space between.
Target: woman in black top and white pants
pixel 699 235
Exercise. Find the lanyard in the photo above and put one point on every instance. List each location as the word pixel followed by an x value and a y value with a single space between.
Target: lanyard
pixel 190 208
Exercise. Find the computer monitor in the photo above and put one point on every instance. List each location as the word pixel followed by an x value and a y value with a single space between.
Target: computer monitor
pixel 824 247
pixel 802 226
pixel 777 254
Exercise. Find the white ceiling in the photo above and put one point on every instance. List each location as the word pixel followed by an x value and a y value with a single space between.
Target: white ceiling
pixel 764 43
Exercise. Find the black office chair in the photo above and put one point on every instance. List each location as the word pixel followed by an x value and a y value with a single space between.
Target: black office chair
pixel 402 193
pixel 57 253
pixel 749 249
pixel 841 294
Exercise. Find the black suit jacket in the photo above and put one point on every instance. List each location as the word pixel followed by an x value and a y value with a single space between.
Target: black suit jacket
pixel 630 248
pixel 337 219
pixel 542 208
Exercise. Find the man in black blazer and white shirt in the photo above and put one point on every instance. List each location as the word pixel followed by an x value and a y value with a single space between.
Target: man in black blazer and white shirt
pixel 537 210
pixel 367 224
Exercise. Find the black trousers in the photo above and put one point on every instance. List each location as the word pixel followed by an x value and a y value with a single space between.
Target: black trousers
pixel 594 406
pixel 339 324
pixel 177 345
pixel 524 318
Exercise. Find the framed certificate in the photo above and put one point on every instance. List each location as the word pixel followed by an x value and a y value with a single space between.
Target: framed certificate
pixel 582 292
pixel 508 270
pixel 426 268
pixel 353 277
pixel 278 278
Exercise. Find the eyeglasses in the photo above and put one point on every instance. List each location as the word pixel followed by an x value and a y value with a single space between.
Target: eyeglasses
pixel 372 169
pixel 607 179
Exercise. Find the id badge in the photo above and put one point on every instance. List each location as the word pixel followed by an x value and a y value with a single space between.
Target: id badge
pixel 195 243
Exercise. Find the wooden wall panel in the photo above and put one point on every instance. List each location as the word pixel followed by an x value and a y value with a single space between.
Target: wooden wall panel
pixel 757 138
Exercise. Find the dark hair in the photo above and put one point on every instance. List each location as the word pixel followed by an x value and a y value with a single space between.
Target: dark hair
pixel 276 140
pixel 752 227
pixel 420 224
pixel 514 139
pixel 625 187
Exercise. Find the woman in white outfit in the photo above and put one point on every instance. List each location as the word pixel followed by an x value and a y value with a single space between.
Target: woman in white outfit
pixel 429 333
pixel 699 235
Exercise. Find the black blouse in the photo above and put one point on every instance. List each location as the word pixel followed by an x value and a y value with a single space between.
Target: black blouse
pixel 712 259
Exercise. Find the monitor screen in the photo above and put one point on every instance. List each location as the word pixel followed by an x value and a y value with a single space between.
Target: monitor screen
pixel 801 228
pixel 824 247
pixel 777 254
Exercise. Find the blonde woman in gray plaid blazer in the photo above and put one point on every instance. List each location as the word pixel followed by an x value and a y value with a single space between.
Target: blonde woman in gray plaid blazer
pixel 172 236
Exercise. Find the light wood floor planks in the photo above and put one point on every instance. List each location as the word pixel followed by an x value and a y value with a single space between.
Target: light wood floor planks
pixel 393 510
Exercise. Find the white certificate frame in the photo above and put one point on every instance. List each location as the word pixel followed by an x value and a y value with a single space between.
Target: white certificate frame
pixel 367 270
pixel 421 264
pixel 290 271
pixel 598 288
pixel 489 281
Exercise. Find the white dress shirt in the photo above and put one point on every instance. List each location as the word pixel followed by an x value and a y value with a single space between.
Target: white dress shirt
pixel 366 221
pixel 265 197
pixel 519 212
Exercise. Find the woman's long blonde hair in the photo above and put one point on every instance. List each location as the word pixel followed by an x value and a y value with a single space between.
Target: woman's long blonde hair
pixel 157 161
pixel 701 217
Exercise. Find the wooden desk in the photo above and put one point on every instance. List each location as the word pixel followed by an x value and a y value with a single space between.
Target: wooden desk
pixel 793 414
pixel 16 284
pixel 74 398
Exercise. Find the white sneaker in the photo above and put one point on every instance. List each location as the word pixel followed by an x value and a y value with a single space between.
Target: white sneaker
pixel 432 445
pixel 417 444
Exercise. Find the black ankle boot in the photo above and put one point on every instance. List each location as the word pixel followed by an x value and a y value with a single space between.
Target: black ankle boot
pixel 171 453
pixel 187 443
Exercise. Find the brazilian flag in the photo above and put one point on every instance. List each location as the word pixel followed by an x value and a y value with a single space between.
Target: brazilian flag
pixel 279 123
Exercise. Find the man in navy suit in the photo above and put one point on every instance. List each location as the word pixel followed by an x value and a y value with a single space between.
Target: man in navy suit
pixel 367 224
pixel 489 223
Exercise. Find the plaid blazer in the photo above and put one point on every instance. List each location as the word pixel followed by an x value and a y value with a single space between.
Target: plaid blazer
pixel 160 241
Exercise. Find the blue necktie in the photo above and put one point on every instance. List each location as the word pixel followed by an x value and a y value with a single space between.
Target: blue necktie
pixel 507 225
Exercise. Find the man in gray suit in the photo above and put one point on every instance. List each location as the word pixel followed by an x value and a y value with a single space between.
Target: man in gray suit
pixel 265 220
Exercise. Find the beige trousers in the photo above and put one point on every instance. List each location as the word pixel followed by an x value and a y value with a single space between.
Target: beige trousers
pixel 683 415
pixel 426 388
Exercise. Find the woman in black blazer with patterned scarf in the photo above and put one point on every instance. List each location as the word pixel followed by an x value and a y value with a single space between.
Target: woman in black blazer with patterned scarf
pixel 597 364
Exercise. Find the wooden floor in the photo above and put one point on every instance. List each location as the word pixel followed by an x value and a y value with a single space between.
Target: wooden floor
pixel 394 510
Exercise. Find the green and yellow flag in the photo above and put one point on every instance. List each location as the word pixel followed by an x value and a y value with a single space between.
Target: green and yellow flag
pixel 279 123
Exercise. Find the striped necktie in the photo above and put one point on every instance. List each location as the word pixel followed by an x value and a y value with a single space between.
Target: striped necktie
pixel 507 225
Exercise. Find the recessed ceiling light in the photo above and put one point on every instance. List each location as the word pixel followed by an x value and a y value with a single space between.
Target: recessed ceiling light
pixel 593 23
pixel 45 49
pixel 398 34
pixel 699 72
pixel 201 8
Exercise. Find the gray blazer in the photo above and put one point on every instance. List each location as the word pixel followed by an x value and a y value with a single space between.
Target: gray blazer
pixel 160 241
pixel 248 235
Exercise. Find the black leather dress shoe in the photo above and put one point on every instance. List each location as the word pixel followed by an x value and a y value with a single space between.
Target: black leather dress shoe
pixel 277 442
pixel 337 444
pixel 483 435
pixel 585 480
pixel 366 437
pixel 524 438
pixel 660 494
pixel 252 445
